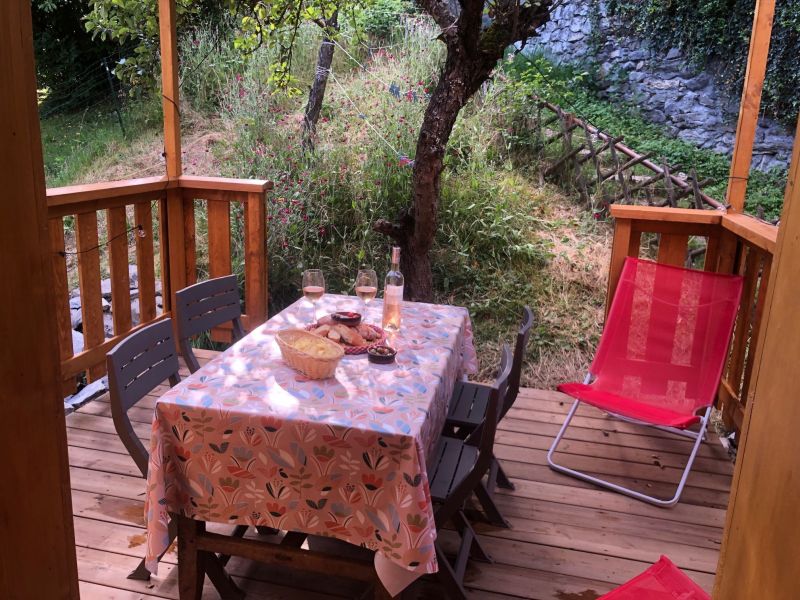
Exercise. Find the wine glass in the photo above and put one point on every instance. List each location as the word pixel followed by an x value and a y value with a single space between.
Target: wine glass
pixel 366 287
pixel 313 287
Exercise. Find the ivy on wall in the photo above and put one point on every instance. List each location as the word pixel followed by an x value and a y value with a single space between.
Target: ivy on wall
pixel 716 34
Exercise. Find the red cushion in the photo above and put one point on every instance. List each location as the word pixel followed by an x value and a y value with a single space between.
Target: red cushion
pixel 662 581
pixel 628 407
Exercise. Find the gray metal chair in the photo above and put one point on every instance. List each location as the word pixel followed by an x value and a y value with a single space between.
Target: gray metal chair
pixel 458 471
pixel 468 410
pixel 137 365
pixel 203 306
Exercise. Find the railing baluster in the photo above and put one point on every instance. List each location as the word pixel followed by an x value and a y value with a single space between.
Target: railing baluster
pixel 89 278
pixel 145 266
pixel 255 260
pixel 61 285
pixel 190 235
pixel 219 251
pixel 118 266
pixel 672 249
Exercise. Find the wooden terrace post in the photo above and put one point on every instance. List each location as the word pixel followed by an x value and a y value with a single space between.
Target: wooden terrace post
pixel 750 104
pixel 37 558
pixel 759 557
pixel 170 102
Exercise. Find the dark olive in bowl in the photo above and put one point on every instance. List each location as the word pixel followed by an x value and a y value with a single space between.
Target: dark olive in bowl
pixel 351 319
pixel 381 355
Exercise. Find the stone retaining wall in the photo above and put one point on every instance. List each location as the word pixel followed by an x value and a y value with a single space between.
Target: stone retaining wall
pixel 688 103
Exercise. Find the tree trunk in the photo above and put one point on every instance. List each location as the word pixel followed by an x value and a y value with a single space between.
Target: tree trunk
pixel 460 78
pixel 317 92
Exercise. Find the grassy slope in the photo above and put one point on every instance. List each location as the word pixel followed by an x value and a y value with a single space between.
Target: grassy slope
pixel 505 239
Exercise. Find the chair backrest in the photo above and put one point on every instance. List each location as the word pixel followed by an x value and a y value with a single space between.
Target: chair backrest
pixel 666 337
pixel 203 306
pixel 136 365
pixel 485 432
pixel 521 345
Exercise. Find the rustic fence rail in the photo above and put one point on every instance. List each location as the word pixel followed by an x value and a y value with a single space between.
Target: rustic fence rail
pixel 589 158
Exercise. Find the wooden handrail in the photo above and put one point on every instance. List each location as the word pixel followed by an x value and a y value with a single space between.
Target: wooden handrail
pixel 73 194
pixel 759 234
pixel 224 184
pixel 665 214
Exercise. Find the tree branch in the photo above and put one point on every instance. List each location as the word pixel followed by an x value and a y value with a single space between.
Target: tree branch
pixel 443 14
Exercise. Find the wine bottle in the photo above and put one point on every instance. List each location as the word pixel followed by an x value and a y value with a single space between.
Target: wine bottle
pixel 393 294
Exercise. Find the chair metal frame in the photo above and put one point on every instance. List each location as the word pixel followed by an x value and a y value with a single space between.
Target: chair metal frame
pixel 203 306
pixel 697 436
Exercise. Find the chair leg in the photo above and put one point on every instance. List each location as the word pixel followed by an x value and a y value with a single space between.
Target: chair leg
pixel 502 479
pixel 453 588
pixel 476 549
pixel 618 488
pixel 489 507
pixel 140 573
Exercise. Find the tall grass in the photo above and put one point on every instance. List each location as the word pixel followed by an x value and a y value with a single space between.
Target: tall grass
pixel 489 253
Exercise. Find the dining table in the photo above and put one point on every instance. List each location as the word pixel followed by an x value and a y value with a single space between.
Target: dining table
pixel 247 440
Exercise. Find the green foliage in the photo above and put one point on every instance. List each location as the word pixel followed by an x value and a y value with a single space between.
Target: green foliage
pixel 572 90
pixel 379 19
pixel 73 142
pixel 68 61
pixel 717 33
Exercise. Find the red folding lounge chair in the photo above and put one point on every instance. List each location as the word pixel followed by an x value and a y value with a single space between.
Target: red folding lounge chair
pixel 660 357
pixel 662 581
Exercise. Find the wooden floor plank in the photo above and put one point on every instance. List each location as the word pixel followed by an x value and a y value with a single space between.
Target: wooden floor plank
pixel 568 539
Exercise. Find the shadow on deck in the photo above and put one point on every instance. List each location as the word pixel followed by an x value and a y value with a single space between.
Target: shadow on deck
pixel 568 540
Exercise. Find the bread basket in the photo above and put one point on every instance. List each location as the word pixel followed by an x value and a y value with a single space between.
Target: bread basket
pixel 310 365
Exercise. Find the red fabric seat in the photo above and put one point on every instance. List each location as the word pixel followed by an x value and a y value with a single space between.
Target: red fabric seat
pixel 662 581
pixel 664 344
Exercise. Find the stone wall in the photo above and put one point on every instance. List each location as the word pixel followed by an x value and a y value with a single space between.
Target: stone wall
pixel 689 104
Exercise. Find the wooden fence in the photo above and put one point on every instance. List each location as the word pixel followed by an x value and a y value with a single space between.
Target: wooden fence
pixel 128 207
pixel 605 171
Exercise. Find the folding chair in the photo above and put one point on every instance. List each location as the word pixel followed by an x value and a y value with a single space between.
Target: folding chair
pixel 660 356
pixel 467 411
pixel 137 365
pixel 662 581
pixel 457 473
pixel 203 306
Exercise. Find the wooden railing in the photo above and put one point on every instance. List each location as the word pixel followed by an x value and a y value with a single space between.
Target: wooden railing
pixel 128 207
pixel 734 243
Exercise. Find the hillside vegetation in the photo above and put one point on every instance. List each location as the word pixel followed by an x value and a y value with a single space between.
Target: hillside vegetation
pixel 505 238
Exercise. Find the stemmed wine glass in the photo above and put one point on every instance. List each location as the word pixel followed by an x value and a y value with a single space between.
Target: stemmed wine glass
pixel 313 287
pixel 366 287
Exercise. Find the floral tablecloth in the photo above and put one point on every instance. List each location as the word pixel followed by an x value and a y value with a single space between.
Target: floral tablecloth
pixel 247 440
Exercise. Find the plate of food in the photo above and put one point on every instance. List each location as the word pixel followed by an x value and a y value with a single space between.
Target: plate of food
pixel 354 339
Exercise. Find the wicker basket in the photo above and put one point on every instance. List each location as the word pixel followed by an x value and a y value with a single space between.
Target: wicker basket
pixel 311 366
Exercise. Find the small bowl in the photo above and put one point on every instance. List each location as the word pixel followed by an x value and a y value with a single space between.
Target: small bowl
pixel 381 355
pixel 351 319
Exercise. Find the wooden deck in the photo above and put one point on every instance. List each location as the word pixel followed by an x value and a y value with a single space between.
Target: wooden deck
pixel 568 540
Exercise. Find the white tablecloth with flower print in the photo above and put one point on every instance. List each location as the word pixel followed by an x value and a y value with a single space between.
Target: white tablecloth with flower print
pixel 247 440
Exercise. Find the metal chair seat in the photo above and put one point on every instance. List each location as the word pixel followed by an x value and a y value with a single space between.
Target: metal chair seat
pixel 454 460
pixel 468 405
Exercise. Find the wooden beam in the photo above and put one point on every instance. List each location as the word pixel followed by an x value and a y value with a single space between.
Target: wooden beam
pixel 170 86
pixel 36 527
pixel 750 104
pixel 759 552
